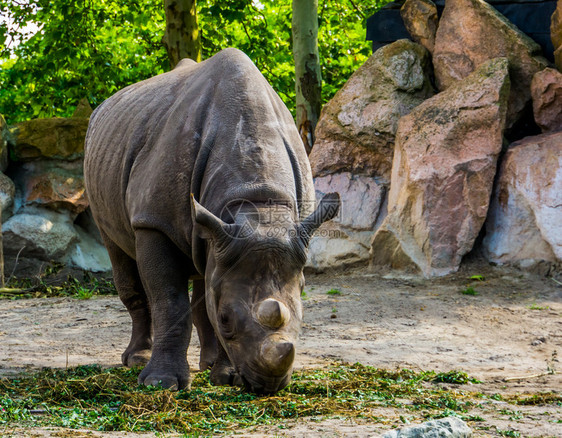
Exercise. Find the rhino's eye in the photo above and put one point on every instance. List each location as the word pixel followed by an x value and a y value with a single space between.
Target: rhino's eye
pixel 226 325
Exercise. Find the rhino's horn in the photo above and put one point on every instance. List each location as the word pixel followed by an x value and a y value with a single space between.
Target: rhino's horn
pixel 277 354
pixel 326 210
pixel 272 313
pixel 206 224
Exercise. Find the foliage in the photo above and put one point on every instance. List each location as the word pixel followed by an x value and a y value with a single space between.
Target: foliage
pixel 82 49
pixel 110 399
pixel 457 377
pixel 469 291
pixel 53 283
pixel 93 48
pixel 333 292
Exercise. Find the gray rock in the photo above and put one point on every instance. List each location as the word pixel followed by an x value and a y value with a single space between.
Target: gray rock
pixel 450 427
pixel 43 234
pixel 524 226
pixel 47 235
pixel 357 127
pixel 345 241
pixel 87 253
pixel 354 146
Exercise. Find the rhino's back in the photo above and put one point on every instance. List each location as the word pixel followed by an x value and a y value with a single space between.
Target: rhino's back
pixel 189 130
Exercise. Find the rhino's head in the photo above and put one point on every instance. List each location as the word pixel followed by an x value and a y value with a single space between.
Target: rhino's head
pixel 254 279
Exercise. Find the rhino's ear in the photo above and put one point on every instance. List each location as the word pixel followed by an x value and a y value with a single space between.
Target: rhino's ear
pixel 326 210
pixel 205 224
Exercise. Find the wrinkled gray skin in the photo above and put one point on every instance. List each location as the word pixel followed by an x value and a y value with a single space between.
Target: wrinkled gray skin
pixel 218 131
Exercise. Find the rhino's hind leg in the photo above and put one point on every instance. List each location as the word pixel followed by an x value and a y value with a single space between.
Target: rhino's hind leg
pixel 165 273
pixel 204 327
pixel 131 293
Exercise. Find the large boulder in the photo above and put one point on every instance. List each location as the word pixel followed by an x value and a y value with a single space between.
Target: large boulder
pixel 546 90
pixel 471 32
pixel 38 233
pixel 56 138
pixel 345 241
pixel 421 21
pixel 356 129
pixel 442 173
pixel 556 34
pixel 58 185
pixel 524 226
pixel 87 253
pixel 47 235
pixel 354 145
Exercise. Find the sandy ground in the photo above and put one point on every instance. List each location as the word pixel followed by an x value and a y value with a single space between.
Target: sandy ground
pixel 512 329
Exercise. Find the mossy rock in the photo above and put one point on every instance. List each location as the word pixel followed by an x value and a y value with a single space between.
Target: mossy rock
pixel 56 138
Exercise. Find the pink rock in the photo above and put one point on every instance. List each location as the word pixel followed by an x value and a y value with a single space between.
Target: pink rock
pixel 356 129
pixel 58 191
pixel 546 90
pixel 471 32
pixel 442 174
pixel 55 185
pixel 524 227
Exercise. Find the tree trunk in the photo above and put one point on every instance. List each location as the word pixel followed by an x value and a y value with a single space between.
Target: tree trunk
pixel 182 39
pixel 308 80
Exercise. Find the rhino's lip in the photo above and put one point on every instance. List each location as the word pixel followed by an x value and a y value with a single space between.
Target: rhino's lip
pixel 260 384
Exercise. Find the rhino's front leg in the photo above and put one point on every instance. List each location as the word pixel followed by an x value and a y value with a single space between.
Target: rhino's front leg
pixel 165 272
pixel 222 372
pixel 204 327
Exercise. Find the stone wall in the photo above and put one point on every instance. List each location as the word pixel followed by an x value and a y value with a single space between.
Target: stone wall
pixel 45 215
pixel 446 130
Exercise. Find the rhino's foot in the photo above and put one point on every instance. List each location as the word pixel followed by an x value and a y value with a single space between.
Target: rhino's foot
pixel 207 359
pixel 174 379
pixel 131 358
pixel 205 365
pixel 223 374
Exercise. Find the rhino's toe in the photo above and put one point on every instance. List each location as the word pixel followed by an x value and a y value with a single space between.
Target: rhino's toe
pixel 173 383
pixel 173 378
pixel 205 365
pixel 135 358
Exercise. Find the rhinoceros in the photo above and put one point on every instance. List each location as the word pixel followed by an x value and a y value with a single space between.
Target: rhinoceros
pixel 199 173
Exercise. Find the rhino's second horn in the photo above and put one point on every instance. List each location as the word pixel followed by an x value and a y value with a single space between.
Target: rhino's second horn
pixel 277 355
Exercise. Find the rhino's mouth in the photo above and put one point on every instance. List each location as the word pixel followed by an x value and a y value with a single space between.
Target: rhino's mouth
pixel 260 384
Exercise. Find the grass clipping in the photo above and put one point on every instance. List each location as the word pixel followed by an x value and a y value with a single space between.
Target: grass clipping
pixel 110 400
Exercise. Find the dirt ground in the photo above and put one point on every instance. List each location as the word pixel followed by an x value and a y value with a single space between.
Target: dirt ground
pixel 509 336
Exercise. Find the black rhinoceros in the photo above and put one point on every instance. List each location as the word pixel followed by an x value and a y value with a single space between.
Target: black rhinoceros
pixel 199 173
